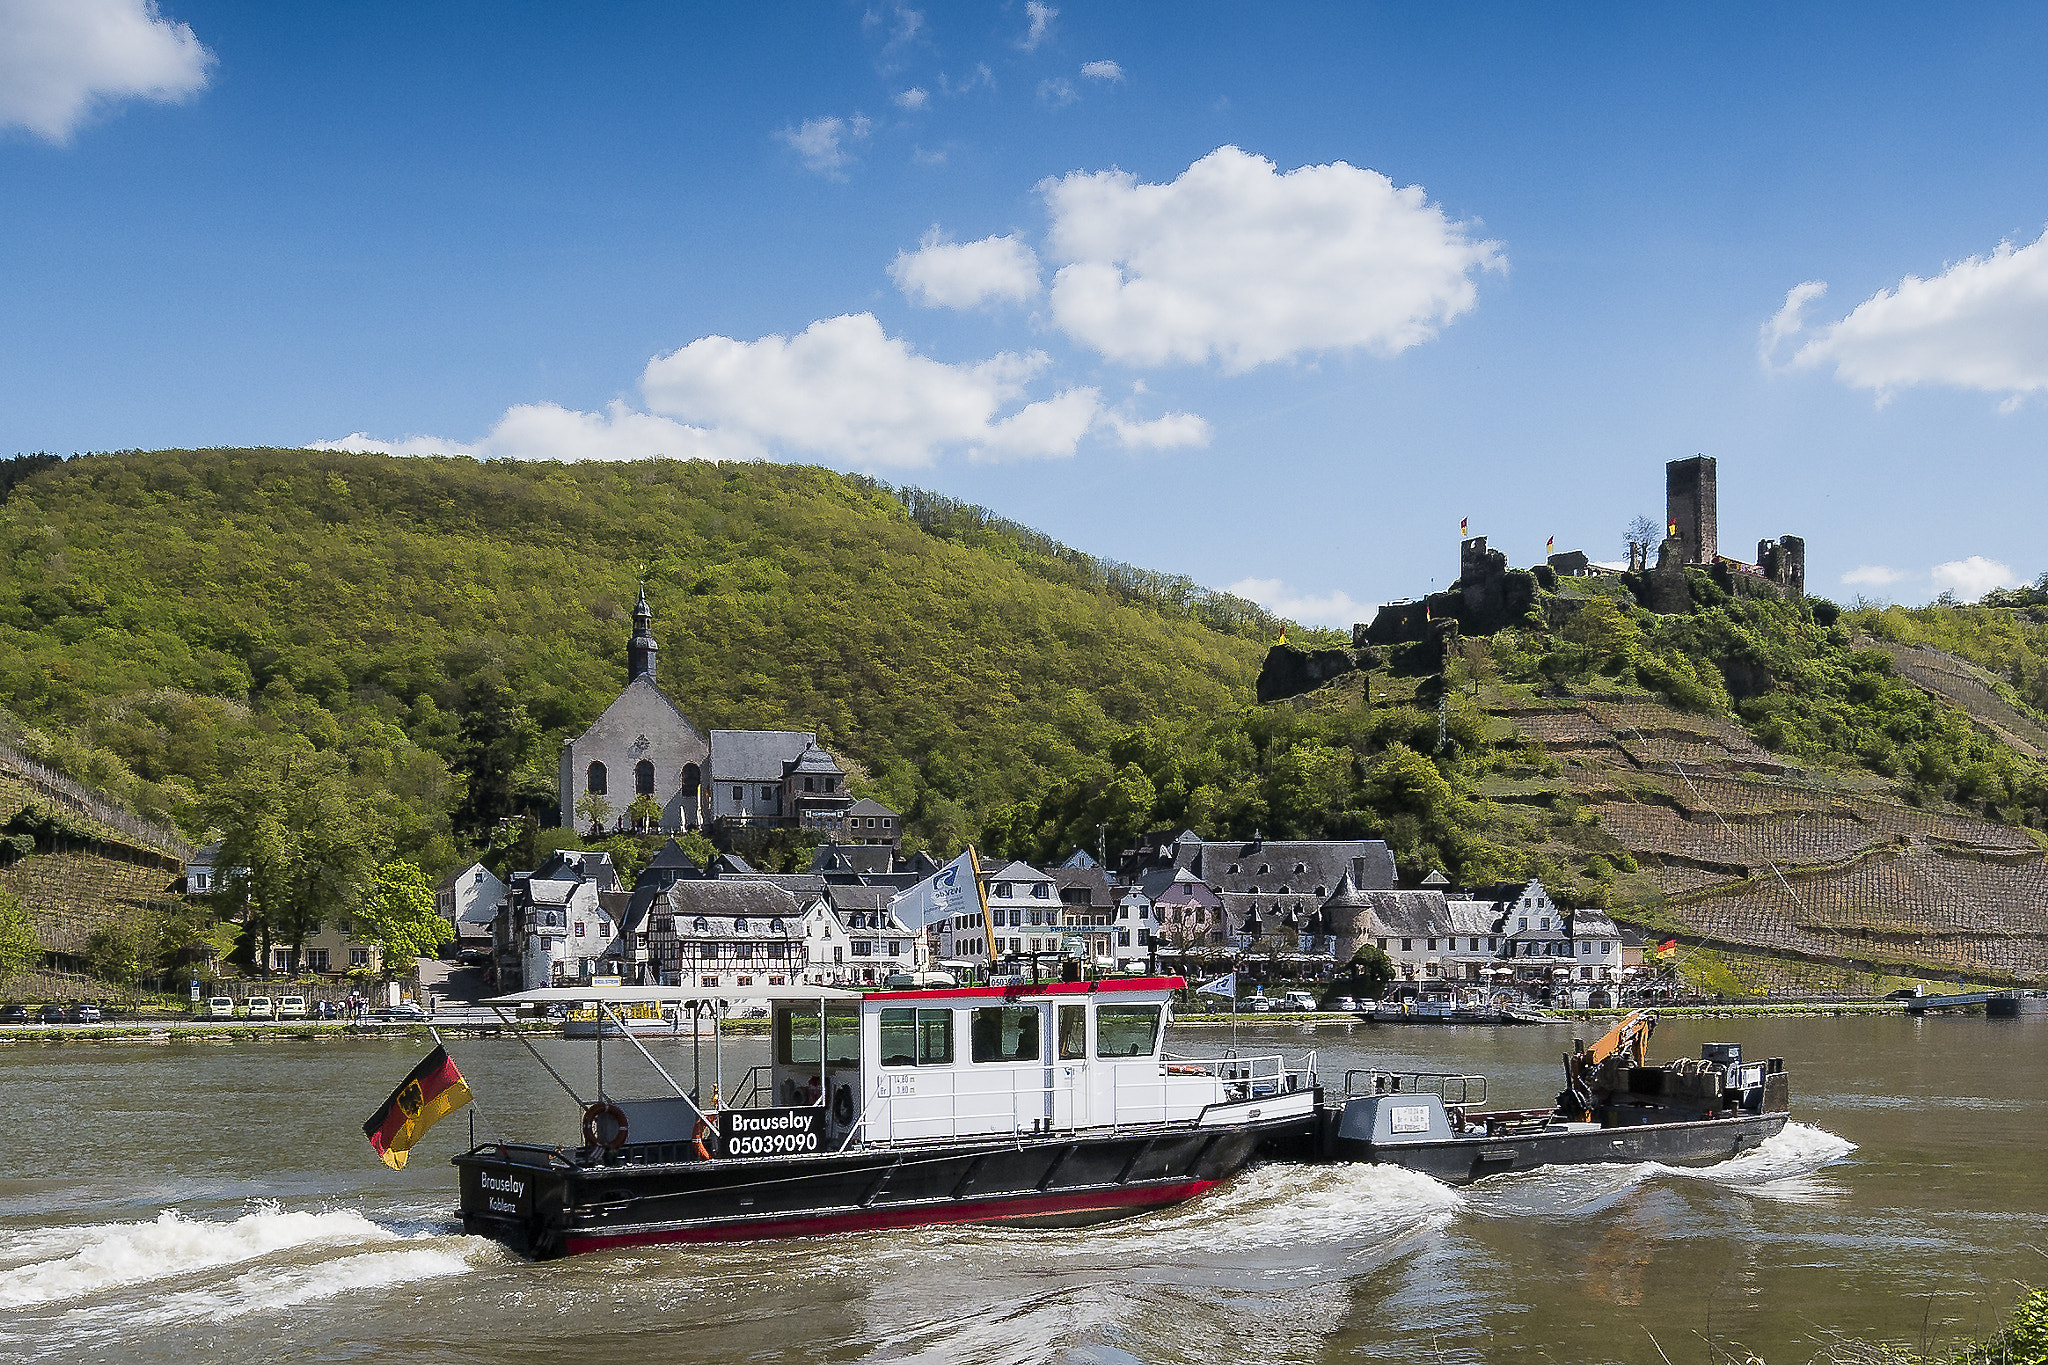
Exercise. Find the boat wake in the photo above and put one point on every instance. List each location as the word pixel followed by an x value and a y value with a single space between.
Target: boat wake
pixel 1782 1167
pixel 94 1283
pixel 69 1263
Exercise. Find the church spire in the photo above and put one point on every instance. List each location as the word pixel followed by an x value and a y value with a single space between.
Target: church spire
pixel 641 650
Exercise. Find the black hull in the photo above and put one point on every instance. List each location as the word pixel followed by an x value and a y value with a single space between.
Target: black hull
pixel 1461 1160
pixel 543 1205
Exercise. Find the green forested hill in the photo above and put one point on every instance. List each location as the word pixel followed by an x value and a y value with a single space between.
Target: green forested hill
pixel 442 623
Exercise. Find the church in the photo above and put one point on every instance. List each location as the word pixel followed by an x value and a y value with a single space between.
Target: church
pixel 644 746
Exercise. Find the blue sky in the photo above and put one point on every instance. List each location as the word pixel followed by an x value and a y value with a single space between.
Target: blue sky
pixel 1270 296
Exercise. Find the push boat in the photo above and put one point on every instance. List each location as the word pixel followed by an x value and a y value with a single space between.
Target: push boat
pixel 1040 1105
pixel 1615 1107
pixel 1439 1010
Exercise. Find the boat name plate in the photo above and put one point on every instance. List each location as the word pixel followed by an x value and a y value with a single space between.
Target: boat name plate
pixel 745 1133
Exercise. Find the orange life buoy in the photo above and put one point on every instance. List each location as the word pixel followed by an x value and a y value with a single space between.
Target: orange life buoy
pixel 697 1136
pixel 604 1125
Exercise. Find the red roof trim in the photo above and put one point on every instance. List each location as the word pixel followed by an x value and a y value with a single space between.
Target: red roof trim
pixel 1139 983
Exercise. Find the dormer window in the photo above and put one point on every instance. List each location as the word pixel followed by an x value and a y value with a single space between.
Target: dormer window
pixel 1301 867
pixel 701 925
pixel 739 926
pixel 1233 867
pixel 1263 869
pixel 1003 891
pixel 775 926
pixel 1321 892
pixel 1042 890
pixel 1283 890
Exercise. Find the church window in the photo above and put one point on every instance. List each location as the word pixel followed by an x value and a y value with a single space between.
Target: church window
pixel 593 781
pixel 767 793
pixel 643 778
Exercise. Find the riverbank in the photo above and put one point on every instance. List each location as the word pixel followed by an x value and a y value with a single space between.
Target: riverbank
pixel 24 1034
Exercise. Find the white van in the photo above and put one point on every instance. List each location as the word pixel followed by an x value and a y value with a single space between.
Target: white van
pixel 1298 1000
pixel 220 1007
pixel 291 1007
pixel 258 1007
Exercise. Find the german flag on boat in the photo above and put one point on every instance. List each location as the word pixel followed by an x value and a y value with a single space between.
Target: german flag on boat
pixel 433 1091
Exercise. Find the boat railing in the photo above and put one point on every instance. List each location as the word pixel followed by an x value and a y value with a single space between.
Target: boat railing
pixel 1448 1086
pixel 1259 1076
pixel 756 1090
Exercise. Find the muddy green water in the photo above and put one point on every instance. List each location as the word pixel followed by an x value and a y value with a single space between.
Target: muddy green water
pixel 209 1202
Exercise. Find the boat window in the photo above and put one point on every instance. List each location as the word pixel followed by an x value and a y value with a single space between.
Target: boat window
pixel 1007 1033
pixel 796 1035
pixel 1126 1030
pixel 917 1037
pixel 1073 1032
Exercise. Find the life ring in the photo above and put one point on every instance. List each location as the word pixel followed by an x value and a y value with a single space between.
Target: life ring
pixel 604 1125
pixel 842 1105
pixel 698 1134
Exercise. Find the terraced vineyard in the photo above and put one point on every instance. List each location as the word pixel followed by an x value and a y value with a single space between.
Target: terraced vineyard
pixel 69 892
pixel 1747 851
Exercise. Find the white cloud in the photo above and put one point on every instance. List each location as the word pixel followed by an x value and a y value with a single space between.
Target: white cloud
pixel 1237 261
pixel 1102 71
pixel 943 274
pixel 1170 432
pixel 1971 578
pixel 1790 320
pixel 841 390
pixel 1059 92
pixel 544 431
pixel 61 60
pixel 1871 576
pixel 1041 17
pixel 1330 609
pixel 914 98
pixel 1981 324
pixel 822 142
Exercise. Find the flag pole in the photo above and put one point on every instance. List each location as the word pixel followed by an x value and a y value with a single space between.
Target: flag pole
pixel 988 928
pixel 474 1107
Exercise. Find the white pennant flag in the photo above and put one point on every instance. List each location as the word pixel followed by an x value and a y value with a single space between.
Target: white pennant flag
pixel 1224 986
pixel 947 892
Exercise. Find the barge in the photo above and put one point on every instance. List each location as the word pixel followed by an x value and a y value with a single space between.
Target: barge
pixel 1615 1107
pixel 1039 1105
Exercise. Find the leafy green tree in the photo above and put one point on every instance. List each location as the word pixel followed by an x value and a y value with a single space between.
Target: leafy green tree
pixel 594 810
pixel 297 835
pixel 645 812
pixel 1371 968
pixel 402 915
pixel 115 953
pixel 20 949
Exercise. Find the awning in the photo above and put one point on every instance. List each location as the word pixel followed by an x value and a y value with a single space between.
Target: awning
pixel 665 995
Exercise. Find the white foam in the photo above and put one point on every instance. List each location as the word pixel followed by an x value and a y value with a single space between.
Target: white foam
pixel 1796 1150
pixel 109 1255
pixel 278 1287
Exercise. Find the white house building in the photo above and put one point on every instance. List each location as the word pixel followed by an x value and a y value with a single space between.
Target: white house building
pixel 468 899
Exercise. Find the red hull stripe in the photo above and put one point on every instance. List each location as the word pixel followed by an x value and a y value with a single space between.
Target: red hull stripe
pixel 868 1220
pixel 1106 987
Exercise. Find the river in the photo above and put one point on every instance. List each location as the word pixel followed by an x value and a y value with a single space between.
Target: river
pixel 193 1202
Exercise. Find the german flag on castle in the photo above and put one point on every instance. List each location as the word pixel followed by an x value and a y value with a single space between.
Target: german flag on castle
pixel 433 1091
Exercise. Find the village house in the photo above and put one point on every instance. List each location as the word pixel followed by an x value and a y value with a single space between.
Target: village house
pixel 333 946
pixel 555 926
pixel 468 899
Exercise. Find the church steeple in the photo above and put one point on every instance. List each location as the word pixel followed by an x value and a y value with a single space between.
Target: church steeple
pixel 641 650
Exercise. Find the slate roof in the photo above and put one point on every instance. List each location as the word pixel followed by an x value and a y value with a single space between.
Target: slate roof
pixel 846 897
pixel 580 865
pixel 1079 858
pixel 815 760
pixel 867 805
pixel 729 896
pixel 1091 879
pixel 1323 862
pixel 853 859
pixel 672 859
pixel 756 755
pixel 1590 923
pixel 1418 914
pixel 802 885
pixel 1473 917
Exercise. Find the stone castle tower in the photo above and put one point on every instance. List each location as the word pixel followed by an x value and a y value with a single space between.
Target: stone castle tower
pixel 1692 505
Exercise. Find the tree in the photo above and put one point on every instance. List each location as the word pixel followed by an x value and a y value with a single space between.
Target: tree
pixel 401 912
pixel 645 812
pixel 20 949
pixel 117 953
pixel 594 810
pixel 297 833
pixel 1642 534
pixel 1373 967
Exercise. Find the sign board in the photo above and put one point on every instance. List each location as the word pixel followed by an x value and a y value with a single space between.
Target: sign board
pixel 1408 1118
pixel 746 1133
pixel 195 990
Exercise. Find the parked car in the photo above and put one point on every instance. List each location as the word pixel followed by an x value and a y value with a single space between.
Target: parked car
pixel 1257 1004
pixel 50 1014
pixel 1348 1004
pixel 1298 1000
pixel 83 1013
pixel 258 1007
pixel 219 1007
pixel 13 1014
pixel 405 1011
pixel 291 1007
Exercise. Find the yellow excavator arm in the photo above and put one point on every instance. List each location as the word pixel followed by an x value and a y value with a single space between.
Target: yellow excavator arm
pixel 1632 1034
